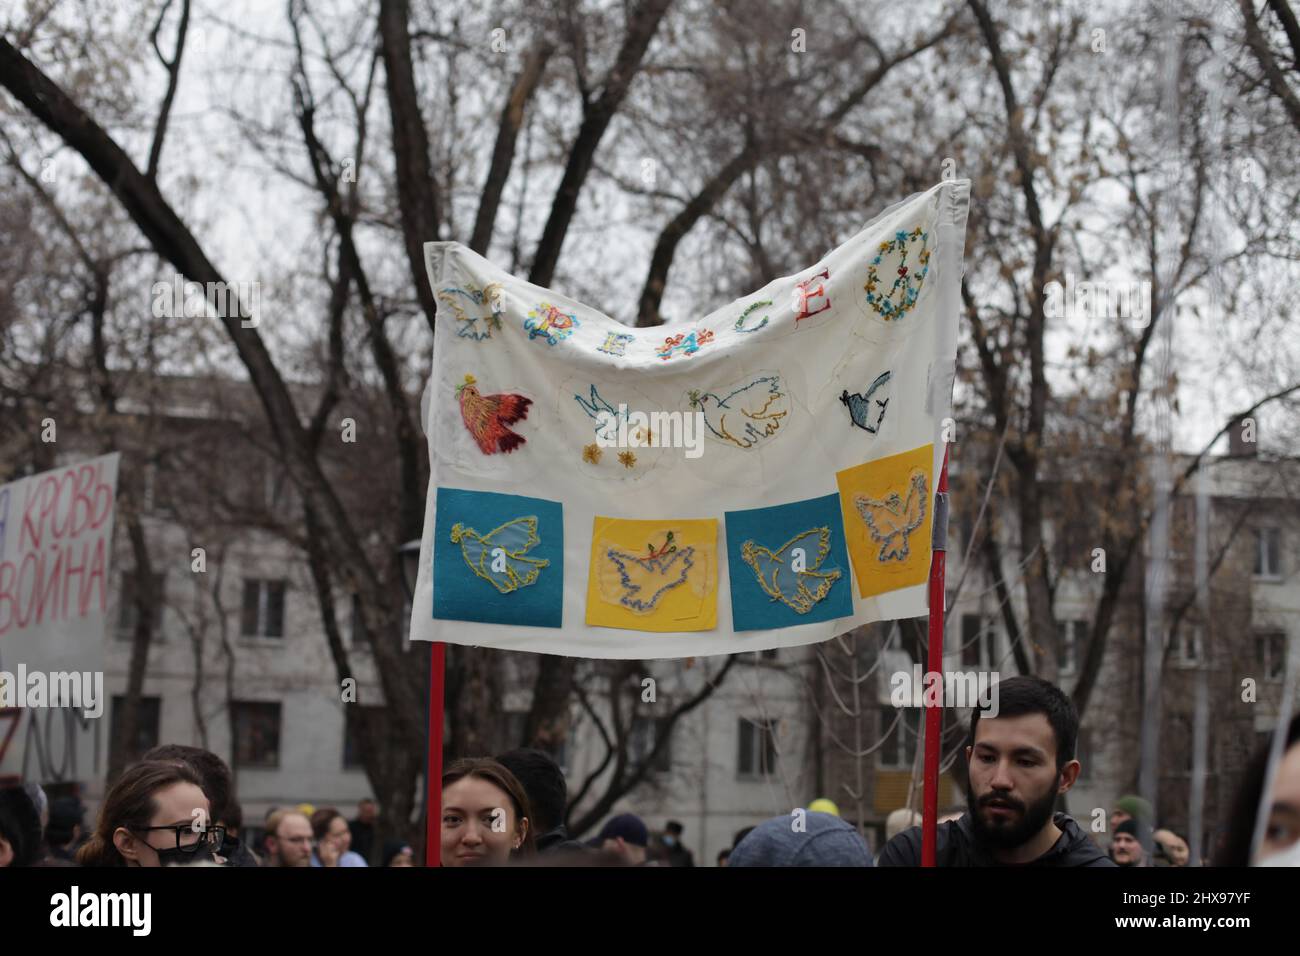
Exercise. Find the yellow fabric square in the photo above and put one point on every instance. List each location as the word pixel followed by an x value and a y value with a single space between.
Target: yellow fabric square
pixel 654 575
pixel 887 507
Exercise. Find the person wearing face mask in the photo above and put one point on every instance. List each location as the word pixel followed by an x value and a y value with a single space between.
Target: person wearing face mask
pixel 156 814
pixel 678 855
pixel 486 820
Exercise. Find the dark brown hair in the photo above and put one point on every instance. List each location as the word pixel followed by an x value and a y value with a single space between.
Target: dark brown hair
pixel 486 768
pixel 321 820
pixel 212 770
pixel 130 803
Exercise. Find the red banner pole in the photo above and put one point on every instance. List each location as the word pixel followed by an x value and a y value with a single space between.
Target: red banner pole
pixel 433 776
pixel 934 665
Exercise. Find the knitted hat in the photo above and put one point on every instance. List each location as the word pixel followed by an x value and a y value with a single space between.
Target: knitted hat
pixel 823 840
pixel 1137 829
pixel 1135 807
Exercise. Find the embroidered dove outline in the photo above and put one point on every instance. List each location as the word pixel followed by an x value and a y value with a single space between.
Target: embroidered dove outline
pixel 520 570
pixel 892 520
pixel 773 569
pixel 661 565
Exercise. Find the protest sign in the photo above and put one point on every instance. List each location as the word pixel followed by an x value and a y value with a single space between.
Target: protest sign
pixel 56 538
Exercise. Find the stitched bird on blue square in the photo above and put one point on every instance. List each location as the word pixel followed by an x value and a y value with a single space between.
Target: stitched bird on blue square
pixel 498 559
pixel 788 565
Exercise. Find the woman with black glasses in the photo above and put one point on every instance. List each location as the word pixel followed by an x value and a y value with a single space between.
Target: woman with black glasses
pixel 156 814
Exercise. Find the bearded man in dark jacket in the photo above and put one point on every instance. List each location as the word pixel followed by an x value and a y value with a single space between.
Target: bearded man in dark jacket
pixel 1020 754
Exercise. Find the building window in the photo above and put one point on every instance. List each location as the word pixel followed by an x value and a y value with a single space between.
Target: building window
pixel 898 751
pixel 1268 552
pixel 976 642
pixel 1188 645
pixel 1069 637
pixel 757 755
pixel 276 491
pixel 644 734
pixel 352 749
pixel 1270 654
pixel 1181 749
pixel 263 608
pixel 257 733
pixel 146 725
pixel 126 611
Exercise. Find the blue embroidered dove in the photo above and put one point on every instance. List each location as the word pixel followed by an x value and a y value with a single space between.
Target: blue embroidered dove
pixel 598 404
pixel 500 557
pixel 642 581
pixel 790 574
pixel 867 413
pixel 892 520
pixel 746 415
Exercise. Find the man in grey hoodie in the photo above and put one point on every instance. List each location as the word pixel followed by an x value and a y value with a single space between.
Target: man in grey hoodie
pixel 1019 763
pixel 803 838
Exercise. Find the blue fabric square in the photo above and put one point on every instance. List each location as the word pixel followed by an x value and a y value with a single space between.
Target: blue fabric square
pixel 498 559
pixel 788 565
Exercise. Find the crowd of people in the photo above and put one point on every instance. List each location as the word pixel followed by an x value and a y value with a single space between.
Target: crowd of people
pixel 176 806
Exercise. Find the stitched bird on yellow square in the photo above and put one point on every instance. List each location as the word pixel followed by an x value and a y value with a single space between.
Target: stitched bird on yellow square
pixel 886 507
pixel 656 575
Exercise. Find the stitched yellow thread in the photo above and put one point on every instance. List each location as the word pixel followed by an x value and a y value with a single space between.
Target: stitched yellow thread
pixel 496 558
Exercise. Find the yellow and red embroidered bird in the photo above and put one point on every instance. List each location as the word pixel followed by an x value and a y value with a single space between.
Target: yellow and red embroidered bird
pixel 486 417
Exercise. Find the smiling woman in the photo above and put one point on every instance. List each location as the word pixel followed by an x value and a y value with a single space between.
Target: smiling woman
pixel 485 815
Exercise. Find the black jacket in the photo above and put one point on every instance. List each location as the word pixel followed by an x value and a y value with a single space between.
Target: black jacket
pixel 236 854
pixel 558 841
pixel 956 846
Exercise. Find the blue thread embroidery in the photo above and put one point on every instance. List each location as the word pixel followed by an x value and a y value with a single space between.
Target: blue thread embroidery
pixel 745 415
pixel 468 328
pixel 883 303
pixel 596 404
pixel 660 564
pixel 860 406
pixel 615 343
pixel 740 322
pixel 891 521
pixel 547 321
pixel 781 581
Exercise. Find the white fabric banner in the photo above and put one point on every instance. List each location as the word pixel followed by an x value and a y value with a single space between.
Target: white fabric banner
pixel 761 477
